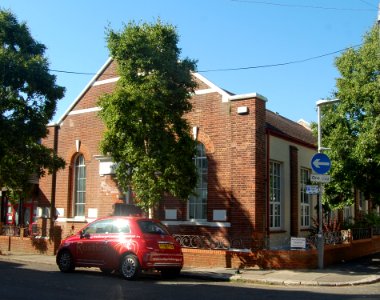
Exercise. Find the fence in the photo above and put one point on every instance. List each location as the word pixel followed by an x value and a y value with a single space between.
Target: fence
pixel 219 243
pixel 250 244
pixel 20 231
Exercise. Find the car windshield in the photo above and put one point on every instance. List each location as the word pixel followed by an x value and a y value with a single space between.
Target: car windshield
pixel 152 227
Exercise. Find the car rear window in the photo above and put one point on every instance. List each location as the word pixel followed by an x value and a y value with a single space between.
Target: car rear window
pixel 152 227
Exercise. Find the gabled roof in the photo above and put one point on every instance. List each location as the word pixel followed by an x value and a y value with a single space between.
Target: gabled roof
pixel 275 123
pixel 285 128
pixel 226 96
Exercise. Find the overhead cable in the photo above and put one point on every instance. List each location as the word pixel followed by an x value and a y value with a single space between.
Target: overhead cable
pixel 302 6
pixel 229 69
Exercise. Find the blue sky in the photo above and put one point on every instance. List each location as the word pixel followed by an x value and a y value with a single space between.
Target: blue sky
pixel 220 34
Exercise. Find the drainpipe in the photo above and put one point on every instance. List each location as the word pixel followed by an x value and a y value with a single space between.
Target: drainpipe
pixel 267 188
pixel 53 185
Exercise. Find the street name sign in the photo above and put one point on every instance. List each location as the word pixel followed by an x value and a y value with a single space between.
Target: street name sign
pixel 320 178
pixel 320 163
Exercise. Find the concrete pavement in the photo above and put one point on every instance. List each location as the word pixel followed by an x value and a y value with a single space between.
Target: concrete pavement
pixel 362 271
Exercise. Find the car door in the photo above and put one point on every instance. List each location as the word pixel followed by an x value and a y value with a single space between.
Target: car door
pixel 92 248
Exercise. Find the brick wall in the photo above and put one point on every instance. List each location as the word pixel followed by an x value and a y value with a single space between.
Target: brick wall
pixel 280 259
pixel 101 191
pixel 31 245
pixel 264 259
pixel 236 152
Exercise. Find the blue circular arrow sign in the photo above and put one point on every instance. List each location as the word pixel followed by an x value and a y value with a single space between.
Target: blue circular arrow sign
pixel 320 163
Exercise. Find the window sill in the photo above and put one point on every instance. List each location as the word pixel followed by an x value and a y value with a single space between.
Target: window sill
pixel 277 231
pixel 305 229
pixel 197 223
pixel 74 220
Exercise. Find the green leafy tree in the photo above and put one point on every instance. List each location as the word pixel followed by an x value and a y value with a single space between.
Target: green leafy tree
pixel 28 97
pixel 351 127
pixel 147 134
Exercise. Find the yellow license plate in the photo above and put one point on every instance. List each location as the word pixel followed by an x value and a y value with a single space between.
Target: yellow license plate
pixel 166 246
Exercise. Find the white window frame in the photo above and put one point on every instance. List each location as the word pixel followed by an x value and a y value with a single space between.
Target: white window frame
pixel 197 203
pixel 348 213
pixel 275 195
pixel 305 199
pixel 79 189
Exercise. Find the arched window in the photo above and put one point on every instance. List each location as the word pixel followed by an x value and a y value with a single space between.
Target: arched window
pixel 198 201
pixel 79 186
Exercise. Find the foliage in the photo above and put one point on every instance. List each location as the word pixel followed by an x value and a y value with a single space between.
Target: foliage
pixel 147 134
pixel 367 220
pixel 328 224
pixel 351 127
pixel 28 96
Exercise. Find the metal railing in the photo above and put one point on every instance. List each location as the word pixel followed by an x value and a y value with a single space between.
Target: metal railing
pixel 13 230
pixel 331 238
pixel 361 233
pixel 251 244
pixel 219 243
pixel 376 230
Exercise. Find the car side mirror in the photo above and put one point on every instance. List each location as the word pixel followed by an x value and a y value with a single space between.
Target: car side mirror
pixel 84 235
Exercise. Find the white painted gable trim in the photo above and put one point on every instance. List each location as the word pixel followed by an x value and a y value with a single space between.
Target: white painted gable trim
pixel 84 111
pixel 204 91
pixel 106 81
pixel 226 97
pixel 223 93
pixel 92 81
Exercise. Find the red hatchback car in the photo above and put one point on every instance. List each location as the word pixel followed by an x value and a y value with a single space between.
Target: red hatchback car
pixel 125 244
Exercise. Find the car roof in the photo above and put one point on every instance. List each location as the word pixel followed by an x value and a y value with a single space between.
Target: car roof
pixel 135 218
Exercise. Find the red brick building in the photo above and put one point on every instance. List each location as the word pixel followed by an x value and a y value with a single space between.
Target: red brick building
pixel 253 165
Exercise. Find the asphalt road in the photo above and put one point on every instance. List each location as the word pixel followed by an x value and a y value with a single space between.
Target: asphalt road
pixel 36 281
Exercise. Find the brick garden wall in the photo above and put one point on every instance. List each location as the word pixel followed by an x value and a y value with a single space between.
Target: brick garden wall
pixel 281 259
pixel 264 259
pixel 31 245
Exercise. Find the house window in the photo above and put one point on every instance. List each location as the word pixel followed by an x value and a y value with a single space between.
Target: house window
pixel 347 214
pixel 305 199
pixel 275 195
pixel 361 201
pixel 198 201
pixel 80 186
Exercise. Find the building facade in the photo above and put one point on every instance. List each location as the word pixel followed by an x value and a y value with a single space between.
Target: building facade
pixel 253 167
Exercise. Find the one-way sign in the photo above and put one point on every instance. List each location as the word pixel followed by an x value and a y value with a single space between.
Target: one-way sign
pixel 320 178
pixel 320 163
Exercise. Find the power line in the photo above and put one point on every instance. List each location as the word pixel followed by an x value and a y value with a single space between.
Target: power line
pixel 73 72
pixel 301 6
pixel 369 4
pixel 228 69
pixel 278 64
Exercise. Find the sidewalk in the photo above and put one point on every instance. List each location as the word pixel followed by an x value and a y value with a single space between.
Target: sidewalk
pixel 363 271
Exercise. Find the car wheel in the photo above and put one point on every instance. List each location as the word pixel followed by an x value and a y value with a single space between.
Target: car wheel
pixel 130 267
pixel 65 262
pixel 106 270
pixel 170 272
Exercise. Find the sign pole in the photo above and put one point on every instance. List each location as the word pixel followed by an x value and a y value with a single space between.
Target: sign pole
pixel 321 243
pixel 320 221
pixel 321 239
